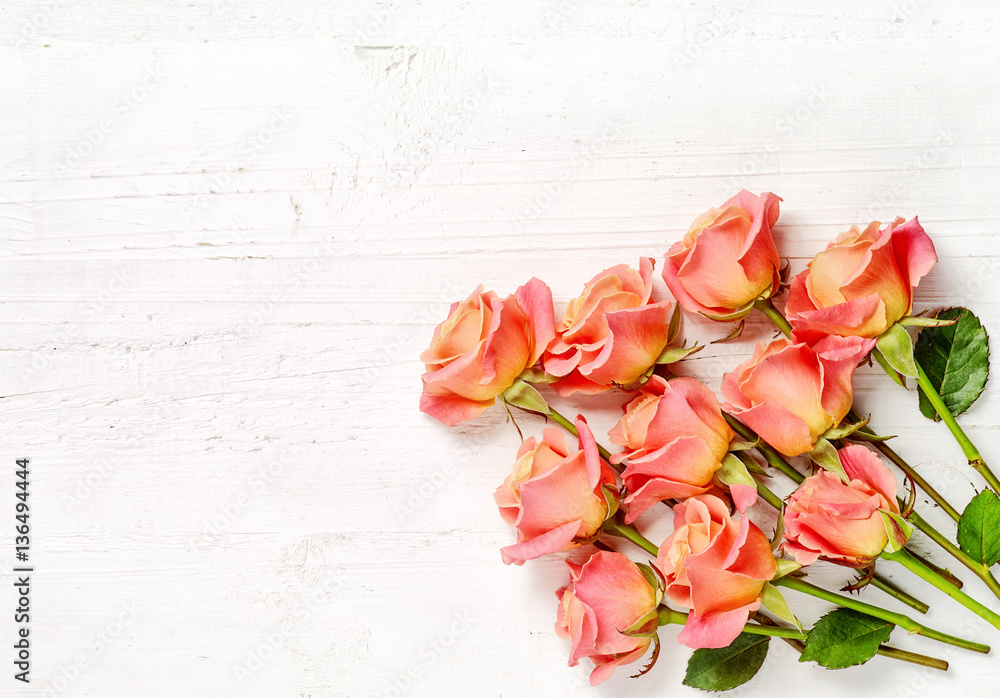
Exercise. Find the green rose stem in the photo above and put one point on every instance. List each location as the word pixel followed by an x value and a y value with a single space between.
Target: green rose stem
pixel 910 471
pixel 615 527
pixel 877 581
pixel 899 619
pixel 978 568
pixel 907 560
pixel 766 306
pixel 777 461
pixel 968 448
pixel 772 457
pixel 668 616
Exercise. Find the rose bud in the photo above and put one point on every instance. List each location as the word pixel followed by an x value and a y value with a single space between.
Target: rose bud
pixel 727 259
pixel 556 498
pixel 611 334
pixel 862 283
pixel 715 566
pixel 607 596
pixel 481 349
pixel 790 394
pixel 842 522
pixel 674 439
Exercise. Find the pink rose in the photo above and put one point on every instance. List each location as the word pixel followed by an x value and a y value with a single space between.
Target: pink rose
pixel 481 349
pixel 715 566
pixel 610 334
pixel 790 394
pixel 727 259
pixel 862 283
pixel 606 595
pixel 556 498
pixel 674 439
pixel 842 522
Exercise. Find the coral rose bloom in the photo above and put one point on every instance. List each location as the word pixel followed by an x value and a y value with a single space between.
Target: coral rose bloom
pixel 790 394
pixel 715 566
pixel 609 335
pixel 557 498
pixel 862 283
pixel 481 349
pixel 674 438
pixel 727 259
pixel 829 519
pixel 606 595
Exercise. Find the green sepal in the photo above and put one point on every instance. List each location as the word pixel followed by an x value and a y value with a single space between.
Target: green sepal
pixel 525 397
pixel 897 529
pixel 672 355
pixel 896 348
pixel 751 465
pixel 732 471
pixel 644 627
pixel 825 455
pixel 776 604
pixel 896 376
pixel 845 430
pixel 734 335
pixel 785 568
pixel 674 328
pixel 917 321
pixel 738 444
pixel 655 579
pixel 612 499
pixel 537 375
pixel 737 314
pixel 779 529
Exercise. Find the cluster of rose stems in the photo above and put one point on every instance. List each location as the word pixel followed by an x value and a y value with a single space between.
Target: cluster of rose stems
pixel 670 616
pixel 970 451
pixel 930 392
pixel 616 527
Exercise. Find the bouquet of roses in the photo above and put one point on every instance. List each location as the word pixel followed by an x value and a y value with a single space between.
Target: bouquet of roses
pixel 788 410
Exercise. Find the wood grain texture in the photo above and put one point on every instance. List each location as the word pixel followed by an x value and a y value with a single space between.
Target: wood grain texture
pixel 229 228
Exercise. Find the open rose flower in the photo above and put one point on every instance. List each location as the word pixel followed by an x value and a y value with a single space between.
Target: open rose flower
pixel 557 499
pixel 829 519
pixel 727 259
pixel 609 335
pixel 606 595
pixel 481 349
pixel 862 283
pixel 674 439
pixel 790 394
pixel 715 566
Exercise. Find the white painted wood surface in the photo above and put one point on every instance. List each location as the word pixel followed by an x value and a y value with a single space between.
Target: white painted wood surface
pixel 228 229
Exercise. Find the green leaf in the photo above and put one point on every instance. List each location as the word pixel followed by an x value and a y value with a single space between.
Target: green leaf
pixel 844 638
pixel 896 348
pixel 979 528
pixel 526 397
pixel 727 667
pixel 956 359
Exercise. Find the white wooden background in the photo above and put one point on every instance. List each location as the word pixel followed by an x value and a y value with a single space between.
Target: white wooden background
pixel 229 227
